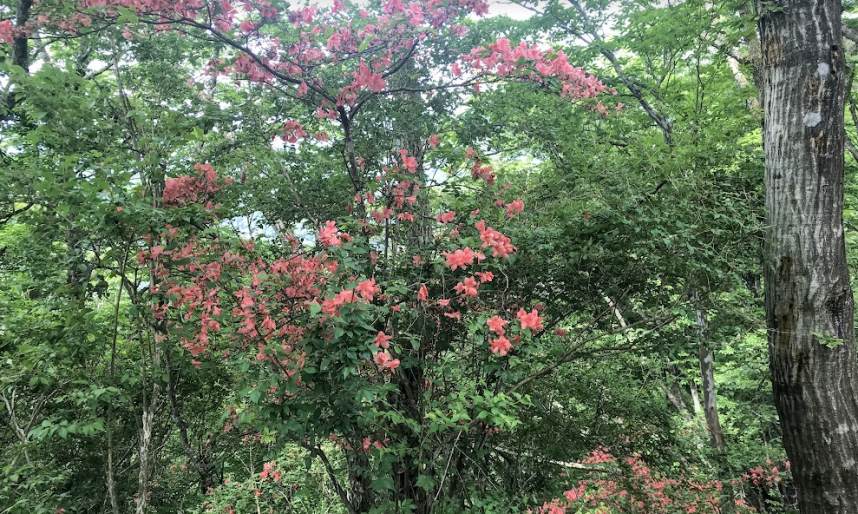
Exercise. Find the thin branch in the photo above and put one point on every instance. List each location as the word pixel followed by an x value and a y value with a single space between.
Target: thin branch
pixel 447 468
pixel 6 217
pixel 562 464
pixel 851 147
pixel 849 33
pixel 333 476
pixel 567 355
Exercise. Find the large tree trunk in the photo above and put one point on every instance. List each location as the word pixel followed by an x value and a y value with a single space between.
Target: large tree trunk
pixel 809 306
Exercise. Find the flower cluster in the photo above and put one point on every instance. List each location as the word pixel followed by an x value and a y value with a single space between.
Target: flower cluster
pixel 629 486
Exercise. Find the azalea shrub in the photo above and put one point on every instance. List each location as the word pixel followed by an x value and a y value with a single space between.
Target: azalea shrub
pixel 382 340
pixel 629 485
pixel 343 343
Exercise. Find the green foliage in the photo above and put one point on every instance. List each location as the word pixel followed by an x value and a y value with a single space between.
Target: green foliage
pixel 629 230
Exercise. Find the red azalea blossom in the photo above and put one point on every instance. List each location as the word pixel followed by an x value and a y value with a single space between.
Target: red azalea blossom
pixel 328 235
pixel 7 32
pixel 515 207
pixel 500 244
pixel 467 287
pixel 500 345
pixel 530 320
pixel 385 362
pixel 382 340
pixel 446 217
pixel 461 258
pixel 409 163
pixel 367 289
pixel 485 276
pixel 496 324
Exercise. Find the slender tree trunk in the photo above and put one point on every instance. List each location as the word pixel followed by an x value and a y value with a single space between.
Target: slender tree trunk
pixel 108 426
pixel 201 460
pixel 675 398
pixel 146 455
pixel 707 375
pixel 20 55
pixel 20 47
pixel 147 449
pixel 409 402
pixel 809 305
pixel 695 397
pixel 111 468
pixel 360 495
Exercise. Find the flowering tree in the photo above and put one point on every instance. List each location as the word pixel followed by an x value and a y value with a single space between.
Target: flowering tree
pixel 386 300
pixel 349 351
pixel 386 331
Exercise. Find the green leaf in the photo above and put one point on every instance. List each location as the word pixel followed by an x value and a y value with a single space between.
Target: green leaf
pixel 127 15
pixel 826 340
pixel 382 483
pixel 363 46
pixel 426 482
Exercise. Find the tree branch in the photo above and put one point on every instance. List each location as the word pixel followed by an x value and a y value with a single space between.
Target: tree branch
pixel 562 464
pixel 570 352
pixel 6 217
pixel 333 476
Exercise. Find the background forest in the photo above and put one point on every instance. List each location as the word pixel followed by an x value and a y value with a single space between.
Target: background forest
pixel 386 257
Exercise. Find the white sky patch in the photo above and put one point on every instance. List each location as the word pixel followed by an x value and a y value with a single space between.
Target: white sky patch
pixel 96 64
pixel 509 9
pixel 250 226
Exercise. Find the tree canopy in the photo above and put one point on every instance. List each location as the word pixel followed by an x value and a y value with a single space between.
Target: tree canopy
pixel 374 257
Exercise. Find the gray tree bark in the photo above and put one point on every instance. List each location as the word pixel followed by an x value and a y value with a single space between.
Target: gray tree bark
pixel 809 304
pixel 20 47
pixel 706 358
pixel 695 397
